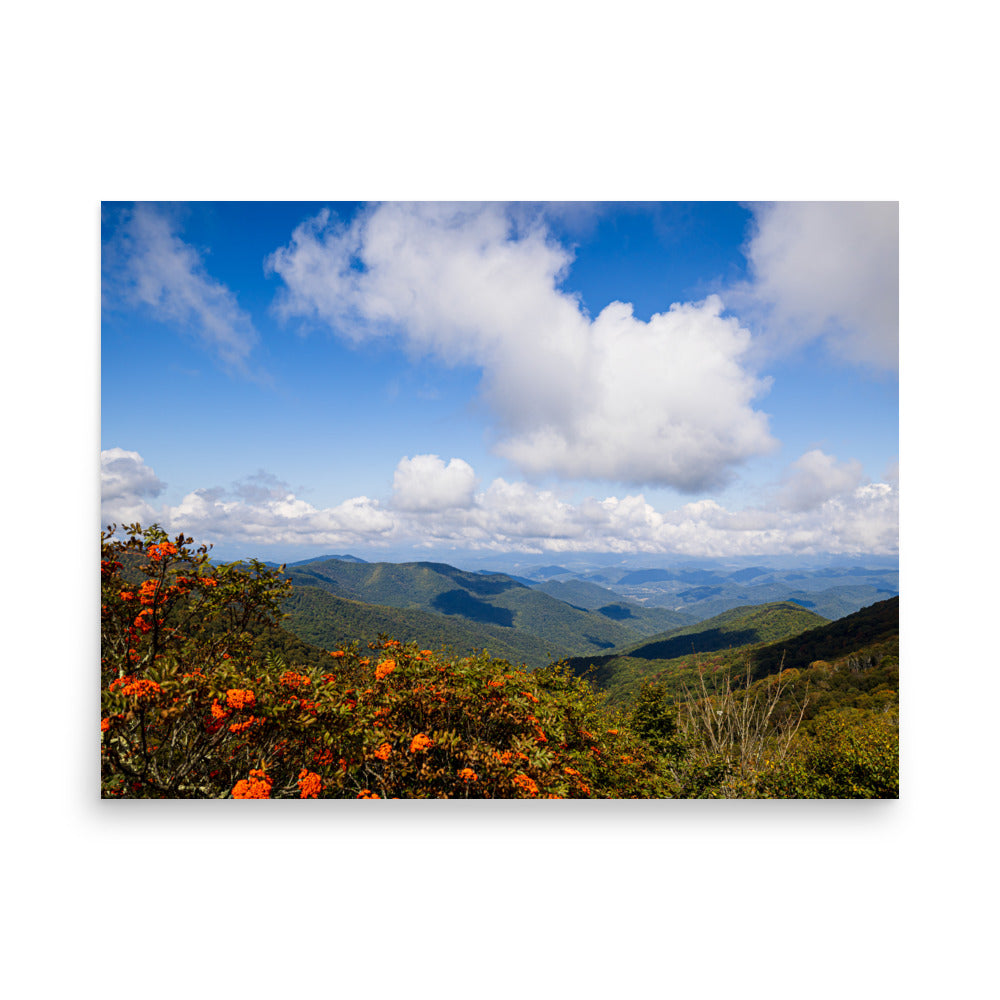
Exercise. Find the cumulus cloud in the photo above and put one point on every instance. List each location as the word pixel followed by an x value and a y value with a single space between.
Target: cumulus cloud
pixel 124 473
pixel 287 520
pixel 828 270
pixel 668 402
pixel 815 478
pixel 424 482
pixel 519 517
pixel 258 510
pixel 148 263
pixel 516 516
pixel 126 483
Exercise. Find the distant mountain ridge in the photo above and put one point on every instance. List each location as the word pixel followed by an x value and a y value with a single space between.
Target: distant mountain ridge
pixel 316 559
pixel 830 591
pixel 489 609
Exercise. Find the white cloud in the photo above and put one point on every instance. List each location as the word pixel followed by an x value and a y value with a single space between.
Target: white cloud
pixel 516 516
pixel 668 402
pixel 287 520
pixel 829 270
pixel 124 473
pixel 817 477
pixel 126 481
pixel 259 510
pixel 426 483
pixel 148 263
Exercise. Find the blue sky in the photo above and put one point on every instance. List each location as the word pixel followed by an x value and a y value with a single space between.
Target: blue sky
pixel 426 380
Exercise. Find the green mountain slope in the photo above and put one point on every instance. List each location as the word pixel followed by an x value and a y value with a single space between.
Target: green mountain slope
pixel 490 600
pixel 868 636
pixel 733 629
pixel 591 597
pixel 867 630
pixel 736 627
pixel 324 619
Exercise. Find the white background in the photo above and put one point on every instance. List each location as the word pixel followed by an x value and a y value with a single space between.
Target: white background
pixel 535 101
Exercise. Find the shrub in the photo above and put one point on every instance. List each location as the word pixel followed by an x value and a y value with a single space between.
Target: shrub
pixel 852 754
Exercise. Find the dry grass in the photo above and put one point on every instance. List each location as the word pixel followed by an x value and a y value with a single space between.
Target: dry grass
pixel 736 723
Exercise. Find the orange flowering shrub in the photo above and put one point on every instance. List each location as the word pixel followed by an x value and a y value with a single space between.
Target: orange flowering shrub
pixel 257 786
pixel 524 782
pixel 238 699
pixel 135 687
pixel 385 668
pixel 310 784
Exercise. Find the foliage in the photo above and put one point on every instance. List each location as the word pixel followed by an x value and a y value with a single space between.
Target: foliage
pixel 320 617
pixel 737 728
pixel 851 754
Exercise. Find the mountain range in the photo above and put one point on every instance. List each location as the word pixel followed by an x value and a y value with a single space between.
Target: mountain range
pixel 434 603
pixel 626 615
pixel 760 640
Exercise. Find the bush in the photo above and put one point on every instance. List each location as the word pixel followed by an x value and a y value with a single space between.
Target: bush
pixel 850 755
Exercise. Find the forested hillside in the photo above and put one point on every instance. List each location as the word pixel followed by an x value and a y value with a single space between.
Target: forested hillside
pixel 606 602
pixel 733 629
pixel 463 610
pixel 869 637
pixel 332 622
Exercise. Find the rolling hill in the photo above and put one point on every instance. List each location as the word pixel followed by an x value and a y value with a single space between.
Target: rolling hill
pixel 319 617
pixel 591 597
pixel 448 606
pixel 737 628
pixel 873 630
